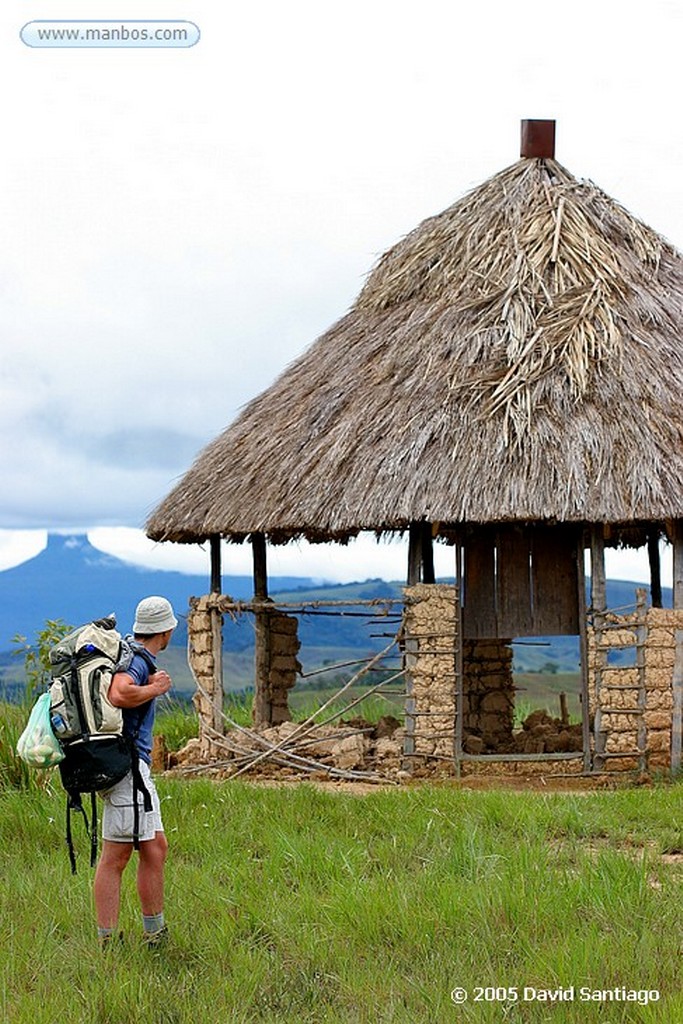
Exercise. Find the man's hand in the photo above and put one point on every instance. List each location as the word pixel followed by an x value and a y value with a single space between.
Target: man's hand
pixel 125 693
pixel 161 681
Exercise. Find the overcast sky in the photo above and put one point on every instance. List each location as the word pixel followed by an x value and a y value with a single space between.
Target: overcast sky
pixel 178 224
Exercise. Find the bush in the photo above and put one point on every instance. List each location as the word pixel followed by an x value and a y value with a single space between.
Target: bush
pixel 36 656
pixel 14 773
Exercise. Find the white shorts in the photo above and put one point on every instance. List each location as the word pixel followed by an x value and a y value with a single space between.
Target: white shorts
pixel 118 818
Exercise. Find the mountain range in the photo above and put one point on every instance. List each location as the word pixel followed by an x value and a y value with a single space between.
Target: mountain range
pixel 73 581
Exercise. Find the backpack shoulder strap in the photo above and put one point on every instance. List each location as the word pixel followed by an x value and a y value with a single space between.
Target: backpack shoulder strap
pixel 129 648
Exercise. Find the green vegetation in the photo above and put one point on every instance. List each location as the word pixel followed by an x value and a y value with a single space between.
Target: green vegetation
pixel 14 774
pixel 294 905
pixel 304 906
pixel 176 722
pixel 35 655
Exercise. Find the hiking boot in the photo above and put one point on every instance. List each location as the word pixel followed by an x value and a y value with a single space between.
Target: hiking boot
pixel 156 940
pixel 111 941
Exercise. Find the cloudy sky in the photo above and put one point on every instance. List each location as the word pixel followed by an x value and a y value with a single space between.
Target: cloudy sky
pixel 179 224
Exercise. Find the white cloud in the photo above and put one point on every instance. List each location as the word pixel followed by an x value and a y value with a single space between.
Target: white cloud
pixel 17 546
pixel 178 225
pixel 363 558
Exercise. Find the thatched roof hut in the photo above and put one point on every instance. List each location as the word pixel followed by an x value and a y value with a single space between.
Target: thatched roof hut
pixel 516 358
pixel 510 379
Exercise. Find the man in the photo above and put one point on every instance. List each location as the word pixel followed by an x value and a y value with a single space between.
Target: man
pixel 135 691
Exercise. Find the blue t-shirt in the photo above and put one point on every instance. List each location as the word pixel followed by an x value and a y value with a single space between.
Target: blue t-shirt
pixel 139 722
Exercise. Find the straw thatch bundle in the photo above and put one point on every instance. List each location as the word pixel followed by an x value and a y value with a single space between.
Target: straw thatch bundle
pixel 517 357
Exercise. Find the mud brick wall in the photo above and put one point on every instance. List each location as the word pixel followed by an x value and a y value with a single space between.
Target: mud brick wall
pixel 660 658
pixel 284 665
pixel 624 729
pixel 204 658
pixel 430 623
pixel 489 695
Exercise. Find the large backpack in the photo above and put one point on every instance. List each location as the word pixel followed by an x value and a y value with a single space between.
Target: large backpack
pixel 89 728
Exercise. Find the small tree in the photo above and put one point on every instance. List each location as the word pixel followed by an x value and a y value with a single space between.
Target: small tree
pixel 36 655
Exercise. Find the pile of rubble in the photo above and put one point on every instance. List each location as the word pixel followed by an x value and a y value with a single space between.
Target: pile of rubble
pixel 540 734
pixel 350 745
pixel 355 746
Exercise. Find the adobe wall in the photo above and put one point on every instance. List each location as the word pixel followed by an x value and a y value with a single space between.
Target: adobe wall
pixel 488 695
pixel 430 627
pixel 204 635
pixel 284 665
pixel 634 712
pixel 632 722
pixel 280 665
pixel 632 708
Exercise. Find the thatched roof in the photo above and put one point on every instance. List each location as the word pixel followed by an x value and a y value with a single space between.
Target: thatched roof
pixel 517 357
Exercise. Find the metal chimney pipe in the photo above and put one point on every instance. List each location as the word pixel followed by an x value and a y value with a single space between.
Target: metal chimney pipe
pixel 538 139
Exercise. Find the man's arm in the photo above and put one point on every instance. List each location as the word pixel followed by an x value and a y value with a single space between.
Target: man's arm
pixel 124 692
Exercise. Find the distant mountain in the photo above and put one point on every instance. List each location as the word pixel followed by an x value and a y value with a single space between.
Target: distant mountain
pixel 73 581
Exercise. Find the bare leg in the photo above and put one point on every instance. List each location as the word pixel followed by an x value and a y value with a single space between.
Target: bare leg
pixel 150 878
pixel 107 888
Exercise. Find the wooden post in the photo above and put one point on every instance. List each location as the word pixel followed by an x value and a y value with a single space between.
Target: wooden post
pixel 459 662
pixel 258 543
pixel 215 544
pixel 655 567
pixel 262 712
pixel 420 554
pixel 583 641
pixel 564 710
pixel 678 563
pixel 641 641
pixel 598 581
pixel 538 139
pixel 427 554
pixel 599 606
pixel 414 554
pixel 677 715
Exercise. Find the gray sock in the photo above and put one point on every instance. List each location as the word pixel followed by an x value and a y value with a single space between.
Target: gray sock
pixel 153 923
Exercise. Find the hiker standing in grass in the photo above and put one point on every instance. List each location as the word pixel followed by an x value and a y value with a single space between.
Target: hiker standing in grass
pixel 135 691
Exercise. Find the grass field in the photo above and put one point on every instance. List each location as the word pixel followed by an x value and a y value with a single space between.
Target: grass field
pixel 312 907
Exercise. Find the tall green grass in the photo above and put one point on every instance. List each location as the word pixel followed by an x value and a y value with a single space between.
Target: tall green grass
pixel 308 906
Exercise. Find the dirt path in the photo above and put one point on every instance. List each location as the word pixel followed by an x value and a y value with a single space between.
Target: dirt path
pixel 539 784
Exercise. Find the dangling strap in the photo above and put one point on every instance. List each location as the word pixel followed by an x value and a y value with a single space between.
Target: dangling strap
pixel 73 802
pixel 138 787
pixel 93 830
pixel 69 837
